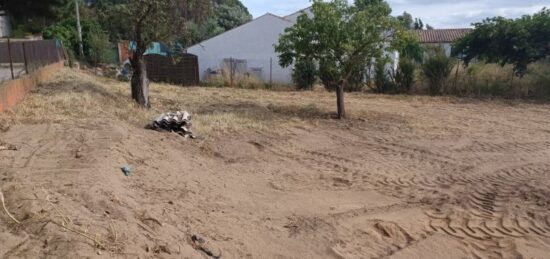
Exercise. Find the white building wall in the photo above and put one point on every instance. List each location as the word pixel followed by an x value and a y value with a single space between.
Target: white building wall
pixel 5 26
pixel 447 48
pixel 294 16
pixel 254 42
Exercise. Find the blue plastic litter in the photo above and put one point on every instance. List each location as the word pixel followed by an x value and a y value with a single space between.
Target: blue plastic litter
pixel 126 170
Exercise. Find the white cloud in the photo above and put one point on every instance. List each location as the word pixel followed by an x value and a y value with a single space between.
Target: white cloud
pixel 440 14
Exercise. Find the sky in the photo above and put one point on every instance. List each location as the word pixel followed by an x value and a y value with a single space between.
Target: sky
pixel 440 14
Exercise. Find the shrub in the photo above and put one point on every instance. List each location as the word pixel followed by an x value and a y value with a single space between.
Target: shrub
pixel 304 74
pixel 356 81
pixel 437 69
pixel 99 47
pixel 95 42
pixel 404 77
pixel 382 80
pixel 330 78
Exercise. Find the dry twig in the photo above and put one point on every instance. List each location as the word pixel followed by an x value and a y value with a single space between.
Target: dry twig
pixel 5 209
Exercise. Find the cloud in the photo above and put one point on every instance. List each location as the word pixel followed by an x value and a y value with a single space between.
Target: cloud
pixel 440 14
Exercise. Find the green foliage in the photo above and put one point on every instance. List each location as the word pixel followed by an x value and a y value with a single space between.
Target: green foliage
pixel 493 80
pixel 191 21
pixel 508 41
pixel 223 15
pixel 99 47
pixel 230 14
pixel 342 38
pixel 408 46
pixel 404 76
pixel 418 24
pixel 95 41
pixel 382 79
pixel 304 74
pixel 437 69
pixel 30 16
pixel 406 20
pixel 329 75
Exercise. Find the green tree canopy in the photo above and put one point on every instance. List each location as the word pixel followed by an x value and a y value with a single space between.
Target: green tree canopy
pixel 406 20
pixel 342 38
pixel 31 15
pixel 508 41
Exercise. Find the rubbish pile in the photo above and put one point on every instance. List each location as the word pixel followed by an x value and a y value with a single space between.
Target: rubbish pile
pixel 179 122
pixel 6 146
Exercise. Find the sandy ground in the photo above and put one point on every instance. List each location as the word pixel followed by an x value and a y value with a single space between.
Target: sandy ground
pixel 405 177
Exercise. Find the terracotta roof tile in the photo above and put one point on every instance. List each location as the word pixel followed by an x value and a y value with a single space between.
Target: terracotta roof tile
pixel 440 35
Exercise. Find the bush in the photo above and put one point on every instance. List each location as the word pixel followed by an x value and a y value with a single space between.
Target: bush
pixel 356 81
pixel 437 69
pixel 493 80
pixel 95 42
pixel 382 80
pixel 404 77
pixel 330 78
pixel 99 47
pixel 304 74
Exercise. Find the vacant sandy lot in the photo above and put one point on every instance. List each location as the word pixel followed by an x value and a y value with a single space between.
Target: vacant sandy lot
pixel 272 176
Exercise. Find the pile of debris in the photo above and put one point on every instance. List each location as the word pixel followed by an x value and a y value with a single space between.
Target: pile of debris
pixel 6 146
pixel 179 122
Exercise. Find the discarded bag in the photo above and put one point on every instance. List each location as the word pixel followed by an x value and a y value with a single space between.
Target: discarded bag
pixel 179 122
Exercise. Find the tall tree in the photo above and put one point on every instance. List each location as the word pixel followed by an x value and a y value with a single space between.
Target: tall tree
pixel 31 16
pixel 508 41
pixel 406 20
pixel 151 20
pixel 418 24
pixel 341 37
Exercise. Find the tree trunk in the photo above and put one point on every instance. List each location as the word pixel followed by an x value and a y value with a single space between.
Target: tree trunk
pixel 340 100
pixel 140 82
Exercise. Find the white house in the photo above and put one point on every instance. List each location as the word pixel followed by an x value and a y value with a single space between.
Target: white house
pixel 249 47
pixel 5 26
pixel 442 38
pixel 293 17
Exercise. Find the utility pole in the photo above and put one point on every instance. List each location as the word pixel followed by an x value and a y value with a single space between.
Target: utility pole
pixel 79 29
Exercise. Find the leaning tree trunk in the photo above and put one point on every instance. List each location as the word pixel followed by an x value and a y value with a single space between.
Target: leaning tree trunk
pixel 140 82
pixel 340 100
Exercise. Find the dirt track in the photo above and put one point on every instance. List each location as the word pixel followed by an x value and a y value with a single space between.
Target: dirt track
pixel 409 180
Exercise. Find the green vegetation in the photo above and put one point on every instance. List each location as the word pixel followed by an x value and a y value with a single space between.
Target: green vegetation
pixel 92 33
pixel 304 74
pixel 437 69
pixel 404 76
pixel 342 38
pixel 56 19
pixel 519 42
pixel 31 16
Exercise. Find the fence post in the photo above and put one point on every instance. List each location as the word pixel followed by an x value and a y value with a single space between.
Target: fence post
pixel 25 58
pixel 271 71
pixel 9 56
pixel 231 71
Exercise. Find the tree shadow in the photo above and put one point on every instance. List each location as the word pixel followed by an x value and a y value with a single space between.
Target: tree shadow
pixel 266 112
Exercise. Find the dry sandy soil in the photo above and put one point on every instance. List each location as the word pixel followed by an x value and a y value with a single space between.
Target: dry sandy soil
pixel 272 176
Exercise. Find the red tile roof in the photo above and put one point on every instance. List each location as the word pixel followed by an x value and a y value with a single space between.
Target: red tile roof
pixel 441 35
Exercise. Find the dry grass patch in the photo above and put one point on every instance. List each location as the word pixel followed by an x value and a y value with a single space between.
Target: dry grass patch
pixel 75 95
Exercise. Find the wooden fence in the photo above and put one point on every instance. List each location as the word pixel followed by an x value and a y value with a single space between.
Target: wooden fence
pixel 19 57
pixel 184 71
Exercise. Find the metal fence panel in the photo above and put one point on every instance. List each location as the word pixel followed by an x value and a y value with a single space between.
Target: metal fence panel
pixel 19 57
